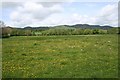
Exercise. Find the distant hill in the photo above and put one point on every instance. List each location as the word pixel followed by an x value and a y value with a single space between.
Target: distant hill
pixel 82 26
pixel 87 26
pixel 36 28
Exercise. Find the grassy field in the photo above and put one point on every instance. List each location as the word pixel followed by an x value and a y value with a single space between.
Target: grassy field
pixel 60 57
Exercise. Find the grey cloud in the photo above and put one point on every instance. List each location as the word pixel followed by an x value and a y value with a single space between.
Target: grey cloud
pixel 10 4
pixel 16 4
pixel 49 4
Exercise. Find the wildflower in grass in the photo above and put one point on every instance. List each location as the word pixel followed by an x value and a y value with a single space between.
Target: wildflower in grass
pixel 81 49
pixel 95 45
pixel 97 42
pixel 110 48
pixel 23 48
pixel 84 46
pixel 53 50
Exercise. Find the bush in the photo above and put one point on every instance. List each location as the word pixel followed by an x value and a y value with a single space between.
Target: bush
pixel 6 32
pixel 87 31
pixel 95 31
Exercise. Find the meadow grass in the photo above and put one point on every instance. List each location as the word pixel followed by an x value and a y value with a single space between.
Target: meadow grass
pixel 60 56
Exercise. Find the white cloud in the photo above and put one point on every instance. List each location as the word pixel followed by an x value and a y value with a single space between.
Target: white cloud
pixel 31 12
pixel 60 0
pixel 108 15
pixel 43 14
pixel 67 19
pixel 90 4
pixel 16 3
pixel 37 0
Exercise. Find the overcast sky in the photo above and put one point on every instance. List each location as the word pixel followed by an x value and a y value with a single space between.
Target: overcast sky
pixel 21 14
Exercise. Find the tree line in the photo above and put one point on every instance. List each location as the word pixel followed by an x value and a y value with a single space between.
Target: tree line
pixel 6 31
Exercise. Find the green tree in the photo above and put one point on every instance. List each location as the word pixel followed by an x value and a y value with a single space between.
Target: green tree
pixel 28 32
pixel 6 30
pixel 102 31
pixel 95 31
pixel 113 31
pixel 78 31
pixel 87 31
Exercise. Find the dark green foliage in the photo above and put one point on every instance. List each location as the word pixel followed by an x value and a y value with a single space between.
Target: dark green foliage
pixel 28 32
pixel 88 31
pixel 20 32
pixel 102 31
pixel 17 32
pixel 95 31
pixel 77 31
pixel 118 30
pixel 58 30
pixel 113 31
pixel 6 32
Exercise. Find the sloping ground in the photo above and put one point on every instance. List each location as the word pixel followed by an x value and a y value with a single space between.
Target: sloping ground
pixel 60 57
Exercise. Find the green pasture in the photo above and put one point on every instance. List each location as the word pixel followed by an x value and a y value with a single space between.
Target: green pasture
pixel 68 56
